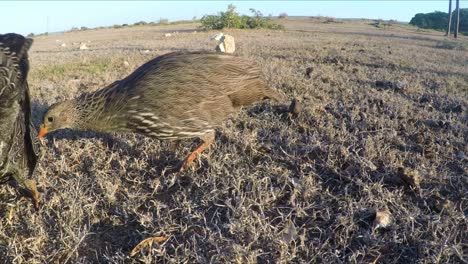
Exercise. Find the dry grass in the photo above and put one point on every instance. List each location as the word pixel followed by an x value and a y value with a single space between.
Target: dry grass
pixel 383 128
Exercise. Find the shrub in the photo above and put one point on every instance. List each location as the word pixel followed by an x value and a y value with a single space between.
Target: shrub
pixel 30 35
pixel 439 20
pixel 231 19
pixel 163 21
pixel 141 23
pixel 283 15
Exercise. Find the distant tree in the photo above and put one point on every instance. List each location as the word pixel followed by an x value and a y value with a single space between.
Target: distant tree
pixel 283 15
pixel 140 23
pixel 434 20
pixel 30 35
pixel 439 20
pixel 163 20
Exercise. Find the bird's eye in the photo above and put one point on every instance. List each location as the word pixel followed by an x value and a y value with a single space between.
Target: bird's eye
pixel 50 119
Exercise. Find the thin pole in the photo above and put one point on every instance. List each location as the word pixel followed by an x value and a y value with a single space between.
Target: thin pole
pixel 450 19
pixel 458 19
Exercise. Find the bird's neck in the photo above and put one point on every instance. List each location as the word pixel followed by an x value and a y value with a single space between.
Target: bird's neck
pixel 100 111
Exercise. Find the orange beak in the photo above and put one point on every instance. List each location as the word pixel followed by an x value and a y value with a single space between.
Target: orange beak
pixel 42 132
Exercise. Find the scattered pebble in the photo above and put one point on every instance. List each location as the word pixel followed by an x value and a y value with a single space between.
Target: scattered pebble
pixel 295 107
pixel 83 46
pixel 383 219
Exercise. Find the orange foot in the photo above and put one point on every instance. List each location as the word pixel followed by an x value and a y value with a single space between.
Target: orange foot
pixel 208 138
pixel 188 161
pixel 146 243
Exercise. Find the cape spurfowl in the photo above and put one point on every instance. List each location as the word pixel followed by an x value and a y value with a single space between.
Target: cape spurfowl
pixel 19 147
pixel 177 95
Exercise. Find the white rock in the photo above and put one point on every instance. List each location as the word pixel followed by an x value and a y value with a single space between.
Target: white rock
pixel 63 45
pixel 83 46
pixel 168 35
pixel 226 44
pixel 126 64
pixel 383 219
pixel 217 36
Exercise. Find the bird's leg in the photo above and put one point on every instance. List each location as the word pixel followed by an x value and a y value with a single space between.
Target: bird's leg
pixel 208 139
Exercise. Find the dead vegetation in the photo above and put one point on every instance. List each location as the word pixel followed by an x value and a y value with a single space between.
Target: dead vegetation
pixel 366 172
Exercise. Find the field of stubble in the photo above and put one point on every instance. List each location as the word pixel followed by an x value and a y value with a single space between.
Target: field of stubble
pixel 383 129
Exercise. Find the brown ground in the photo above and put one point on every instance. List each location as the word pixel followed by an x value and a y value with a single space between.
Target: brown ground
pixel 383 127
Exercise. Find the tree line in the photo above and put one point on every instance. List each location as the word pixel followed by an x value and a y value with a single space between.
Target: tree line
pixel 439 20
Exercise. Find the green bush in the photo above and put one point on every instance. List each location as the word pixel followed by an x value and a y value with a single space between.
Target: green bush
pixel 140 23
pixel 439 20
pixel 231 19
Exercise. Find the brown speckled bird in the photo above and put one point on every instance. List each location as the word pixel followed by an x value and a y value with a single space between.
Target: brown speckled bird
pixel 175 96
pixel 19 147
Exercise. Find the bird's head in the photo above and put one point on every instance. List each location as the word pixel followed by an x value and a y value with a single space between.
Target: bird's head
pixel 58 116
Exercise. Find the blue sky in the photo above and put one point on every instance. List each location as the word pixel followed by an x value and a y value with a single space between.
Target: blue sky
pixel 40 16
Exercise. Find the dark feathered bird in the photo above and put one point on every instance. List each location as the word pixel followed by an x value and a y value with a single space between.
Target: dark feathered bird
pixel 174 96
pixel 19 147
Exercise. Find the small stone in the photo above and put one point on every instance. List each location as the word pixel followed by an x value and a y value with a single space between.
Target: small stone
pixel 295 107
pixel 383 219
pixel 461 155
pixel 126 64
pixel 83 46
pixel 400 85
pixel 168 35
pixel 63 45
pixel 217 36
